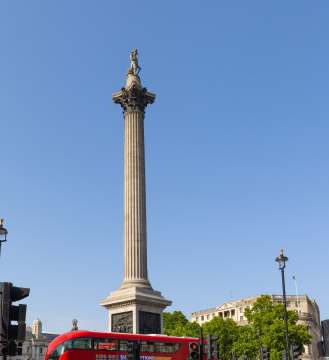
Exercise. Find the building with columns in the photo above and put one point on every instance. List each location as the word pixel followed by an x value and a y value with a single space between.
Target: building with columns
pixel 36 342
pixel 308 310
pixel 135 307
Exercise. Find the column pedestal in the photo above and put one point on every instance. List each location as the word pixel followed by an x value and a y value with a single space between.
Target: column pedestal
pixel 136 310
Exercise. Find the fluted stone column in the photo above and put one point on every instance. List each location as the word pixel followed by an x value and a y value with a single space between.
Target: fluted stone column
pixel 135 307
pixel 135 237
pixel 135 252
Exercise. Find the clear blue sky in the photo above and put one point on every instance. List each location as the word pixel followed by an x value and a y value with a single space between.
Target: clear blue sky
pixel 236 150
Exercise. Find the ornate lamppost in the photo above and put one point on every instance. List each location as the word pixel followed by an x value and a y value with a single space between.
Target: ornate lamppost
pixel 3 234
pixel 282 264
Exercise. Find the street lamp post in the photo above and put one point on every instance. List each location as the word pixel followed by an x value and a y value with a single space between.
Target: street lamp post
pixel 282 264
pixel 3 234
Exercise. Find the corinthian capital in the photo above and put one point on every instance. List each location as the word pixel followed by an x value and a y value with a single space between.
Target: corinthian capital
pixel 133 98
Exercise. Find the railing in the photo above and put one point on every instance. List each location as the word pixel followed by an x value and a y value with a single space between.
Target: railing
pixel 274 297
pixel 242 322
pixel 203 311
pixel 288 297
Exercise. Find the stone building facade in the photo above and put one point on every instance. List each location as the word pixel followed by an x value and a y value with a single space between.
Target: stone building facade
pixel 308 310
pixel 36 343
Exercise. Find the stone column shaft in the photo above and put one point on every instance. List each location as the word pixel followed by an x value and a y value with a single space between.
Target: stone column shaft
pixel 135 238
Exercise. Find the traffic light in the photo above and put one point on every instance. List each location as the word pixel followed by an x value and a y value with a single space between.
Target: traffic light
pixel 212 348
pixel 325 334
pixel 19 348
pixel 12 348
pixel 138 350
pixel 264 353
pixel 284 355
pixel 133 350
pixel 3 349
pixel 194 351
pixel 295 351
pixel 130 350
pixel 9 312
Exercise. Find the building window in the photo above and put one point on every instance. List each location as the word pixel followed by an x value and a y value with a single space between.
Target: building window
pixel 241 318
pixel 220 314
pixel 226 313
pixel 297 303
pixel 196 319
pixel 27 349
pixel 40 350
pixel 213 315
pixel 288 303
pixel 208 316
pixel 241 310
pixel 202 318
pixel 232 312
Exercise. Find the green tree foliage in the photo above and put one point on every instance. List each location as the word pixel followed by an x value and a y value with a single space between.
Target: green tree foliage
pixel 266 326
pixel 176 324
pixel 227 330
pixel 190 329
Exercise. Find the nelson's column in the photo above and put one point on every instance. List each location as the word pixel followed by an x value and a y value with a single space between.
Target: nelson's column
pixel 135 308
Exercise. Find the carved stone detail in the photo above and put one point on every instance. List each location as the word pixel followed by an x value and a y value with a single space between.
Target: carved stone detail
pixel 149 323
pixel 135 302
pixel 122 323
pixel 135 98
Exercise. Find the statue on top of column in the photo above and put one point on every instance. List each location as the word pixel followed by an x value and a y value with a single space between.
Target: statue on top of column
pixel 134 69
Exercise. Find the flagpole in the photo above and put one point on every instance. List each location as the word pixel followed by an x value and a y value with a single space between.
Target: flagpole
pixel 296 292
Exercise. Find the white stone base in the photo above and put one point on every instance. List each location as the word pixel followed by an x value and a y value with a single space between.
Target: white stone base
pixel 135 299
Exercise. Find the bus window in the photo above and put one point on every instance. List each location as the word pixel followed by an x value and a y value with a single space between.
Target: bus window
pixel 79 343
pixel 57 352
pixel 106 344
pixel 147 347
pixel 123 345
pixel 177 346
pixel 169 348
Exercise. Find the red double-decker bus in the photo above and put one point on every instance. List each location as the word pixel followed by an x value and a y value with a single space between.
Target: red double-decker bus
pixel 90 345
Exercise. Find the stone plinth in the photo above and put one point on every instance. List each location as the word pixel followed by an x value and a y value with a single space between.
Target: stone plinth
pixel 136 310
